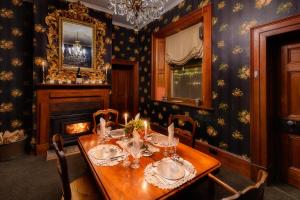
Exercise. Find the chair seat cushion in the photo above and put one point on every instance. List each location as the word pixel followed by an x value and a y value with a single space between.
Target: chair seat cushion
pixel 84 188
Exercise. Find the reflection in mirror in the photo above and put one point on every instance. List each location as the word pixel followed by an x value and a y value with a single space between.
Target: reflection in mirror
pixel 77 45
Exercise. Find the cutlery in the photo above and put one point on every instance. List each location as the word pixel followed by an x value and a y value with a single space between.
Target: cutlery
pixel 111 159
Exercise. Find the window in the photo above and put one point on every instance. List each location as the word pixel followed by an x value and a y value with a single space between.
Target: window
pixel 181 60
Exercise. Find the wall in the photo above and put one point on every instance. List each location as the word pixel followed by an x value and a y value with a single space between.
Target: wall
pixel 228 125
pixel 15 65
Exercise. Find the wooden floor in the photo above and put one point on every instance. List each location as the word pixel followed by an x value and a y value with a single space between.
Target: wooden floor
pixel 32 177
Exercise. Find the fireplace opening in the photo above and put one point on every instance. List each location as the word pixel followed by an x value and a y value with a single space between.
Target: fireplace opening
pixel 77 128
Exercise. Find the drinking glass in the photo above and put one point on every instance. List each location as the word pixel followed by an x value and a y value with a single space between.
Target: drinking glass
pixel 101 136
pixel 136 154
pixel 126 161
pixel 174 144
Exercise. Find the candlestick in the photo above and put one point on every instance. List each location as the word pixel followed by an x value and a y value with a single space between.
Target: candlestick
pixel 125 116
pixel 43 71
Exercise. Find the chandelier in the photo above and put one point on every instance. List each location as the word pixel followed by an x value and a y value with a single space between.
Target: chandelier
pixel 138 12
pixel 76 52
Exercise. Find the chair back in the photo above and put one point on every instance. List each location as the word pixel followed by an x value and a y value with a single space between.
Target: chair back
pixel 185 128
pixel 111 117
pixel 62 166
pixel 255 192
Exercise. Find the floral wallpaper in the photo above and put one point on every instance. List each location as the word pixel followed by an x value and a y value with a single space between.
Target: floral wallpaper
pixel 227 126
pixel 125 43
pixel 15 66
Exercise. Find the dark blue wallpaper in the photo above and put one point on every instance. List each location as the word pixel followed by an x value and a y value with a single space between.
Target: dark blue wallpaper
pixel 227 126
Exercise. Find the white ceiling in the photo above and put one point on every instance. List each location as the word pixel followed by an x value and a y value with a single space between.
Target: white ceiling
pixel 102 5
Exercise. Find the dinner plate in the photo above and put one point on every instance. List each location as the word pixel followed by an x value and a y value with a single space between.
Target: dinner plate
pixel 159 140
pixel 106 151
pixel 116 133
pixel 170 170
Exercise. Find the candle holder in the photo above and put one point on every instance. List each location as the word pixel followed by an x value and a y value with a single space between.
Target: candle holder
pixel 44 65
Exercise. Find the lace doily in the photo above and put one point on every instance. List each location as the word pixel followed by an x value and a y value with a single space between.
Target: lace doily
pixel 152 177
pixel 158 140
pixel 124 145
pixel 110 161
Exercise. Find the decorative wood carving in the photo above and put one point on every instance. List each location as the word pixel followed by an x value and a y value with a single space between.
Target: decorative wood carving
pixel 76 12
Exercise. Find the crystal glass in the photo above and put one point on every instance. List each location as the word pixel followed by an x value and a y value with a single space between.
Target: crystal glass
pixel 166 146
pixel 126 161
pixel 101 136
pixel 174 144
pixel 136 154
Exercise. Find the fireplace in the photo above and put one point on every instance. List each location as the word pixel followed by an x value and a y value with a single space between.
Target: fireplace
pixel 71 125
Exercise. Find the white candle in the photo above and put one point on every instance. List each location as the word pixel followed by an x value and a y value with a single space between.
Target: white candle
pixel 43 66
pixel 145 124
pixel 125 116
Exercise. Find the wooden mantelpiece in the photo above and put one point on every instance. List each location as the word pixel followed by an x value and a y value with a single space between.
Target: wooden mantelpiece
pixel 52 97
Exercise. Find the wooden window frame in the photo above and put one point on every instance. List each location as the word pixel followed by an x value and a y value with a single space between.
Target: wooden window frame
pixel 160 76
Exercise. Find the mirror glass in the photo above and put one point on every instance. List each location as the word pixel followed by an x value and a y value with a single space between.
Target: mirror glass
pixel 77 45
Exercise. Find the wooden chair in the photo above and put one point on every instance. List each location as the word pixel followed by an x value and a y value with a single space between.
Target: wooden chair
pixel 254 192
pixel 110 115
pixel 181 123
pixel 82 188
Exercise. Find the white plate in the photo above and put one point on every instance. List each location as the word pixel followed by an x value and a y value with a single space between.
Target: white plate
pixel 116 133
pixel 106 151
pixel 170 170
pixel 159 140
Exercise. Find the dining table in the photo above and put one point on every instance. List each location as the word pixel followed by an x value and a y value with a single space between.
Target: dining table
pixel 119 182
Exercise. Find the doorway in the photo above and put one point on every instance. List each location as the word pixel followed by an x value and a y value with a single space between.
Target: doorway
pixel 275 97
pixel 124 94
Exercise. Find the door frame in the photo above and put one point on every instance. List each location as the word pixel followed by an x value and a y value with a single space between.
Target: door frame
pixel 135 69
pixel 260 143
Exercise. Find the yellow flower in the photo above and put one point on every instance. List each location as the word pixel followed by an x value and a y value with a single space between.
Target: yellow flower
pixel 244 117
pixel 117 49
pixel 237 135
pixel 246 26
pixel 237 92
pixel 237 50
pixel 16 93
pixel 221 83
pixel 39 28
pixel 211 131
pixel 237 7
pixel 223 67
pixel 284 7
pixel 16 32
pixel 6 107
pixel 6 75
pixel 176 18
pixel 214 95
pixel 223 145
pixel 16 62
pixel 6 13
pixel 223 106
pixel 223 28
pixel 262 3
pixel 214 20
pixel 244 73
pixel 108 41
pixel 221 121
pixel 215 58
pixel 6 44
pixel 16 123
pixel 221 5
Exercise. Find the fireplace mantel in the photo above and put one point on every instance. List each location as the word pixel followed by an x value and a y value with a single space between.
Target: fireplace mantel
pixel 53 98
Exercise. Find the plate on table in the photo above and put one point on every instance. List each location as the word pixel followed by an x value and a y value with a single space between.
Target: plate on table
pixel 117 133
pixel 106 151
pixel 169 169
pixel 159 140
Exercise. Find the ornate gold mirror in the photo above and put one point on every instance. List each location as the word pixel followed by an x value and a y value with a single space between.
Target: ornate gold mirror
pixel 76 44
pixel 75 39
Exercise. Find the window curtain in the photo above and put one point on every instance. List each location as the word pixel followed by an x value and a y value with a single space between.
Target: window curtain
pixel 184 45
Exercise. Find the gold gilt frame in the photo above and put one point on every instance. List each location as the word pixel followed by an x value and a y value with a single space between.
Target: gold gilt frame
pixel 77 13
pixel 61 38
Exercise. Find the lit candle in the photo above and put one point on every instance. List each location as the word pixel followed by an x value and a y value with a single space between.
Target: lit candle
pixel 125 116
pixel 145 124
pixel 43 66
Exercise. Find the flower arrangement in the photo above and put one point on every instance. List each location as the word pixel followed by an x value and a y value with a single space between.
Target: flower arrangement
pixel 135 124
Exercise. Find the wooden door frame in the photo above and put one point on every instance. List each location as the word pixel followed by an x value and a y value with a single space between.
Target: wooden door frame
pixel 260 143
pixel 135 65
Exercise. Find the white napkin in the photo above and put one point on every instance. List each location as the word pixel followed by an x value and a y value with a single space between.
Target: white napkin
pixel 137 117
pixel 136 140
pixel 102 126
pixel 170 133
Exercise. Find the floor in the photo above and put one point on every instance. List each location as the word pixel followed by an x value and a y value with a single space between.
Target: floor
pixel 33 178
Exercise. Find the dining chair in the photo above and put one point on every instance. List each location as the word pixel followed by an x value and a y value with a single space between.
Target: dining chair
pixel 185 128
pixel 111 117
pixel 82 188
pixel 253 192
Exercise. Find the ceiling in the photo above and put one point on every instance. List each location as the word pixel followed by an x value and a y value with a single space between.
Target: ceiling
pixel 102 5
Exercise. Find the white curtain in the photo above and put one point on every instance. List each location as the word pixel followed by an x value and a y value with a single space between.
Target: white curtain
pixel 184 45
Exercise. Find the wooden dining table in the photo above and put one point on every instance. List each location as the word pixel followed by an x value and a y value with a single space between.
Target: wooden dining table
pixel 125 183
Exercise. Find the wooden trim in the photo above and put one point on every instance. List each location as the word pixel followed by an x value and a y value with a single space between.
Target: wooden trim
pixel 229 160
pixel 135 65
pixel 259 126
pixel 161 85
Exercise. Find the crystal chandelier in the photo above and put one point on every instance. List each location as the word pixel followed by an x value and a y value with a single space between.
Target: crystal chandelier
pixel 138 12
pixel 76 52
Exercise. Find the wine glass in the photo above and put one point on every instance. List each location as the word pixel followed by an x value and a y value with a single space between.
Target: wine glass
pixel 136 154
pixel 101 135
pixel 174 144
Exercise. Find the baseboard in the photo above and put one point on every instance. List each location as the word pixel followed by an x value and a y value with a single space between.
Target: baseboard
pixel 228 160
